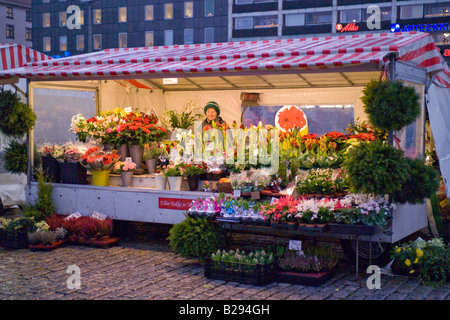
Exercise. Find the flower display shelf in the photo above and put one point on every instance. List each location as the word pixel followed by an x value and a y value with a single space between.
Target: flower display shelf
pixel 353 229
pixel 99 243
pixel 254 274
pixel 43 247
pixel 306 279
pixel 313 227
pixel 283 226
pixel 255 222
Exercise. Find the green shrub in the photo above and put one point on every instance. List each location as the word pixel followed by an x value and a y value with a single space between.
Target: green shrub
pixel 422 183
pixel 44 206
pixel 376 168
pixel 15 157
pixel 16 117
pixel 195 238
pixel 390 105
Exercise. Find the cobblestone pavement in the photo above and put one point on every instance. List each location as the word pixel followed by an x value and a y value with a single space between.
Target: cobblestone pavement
pixel 136 270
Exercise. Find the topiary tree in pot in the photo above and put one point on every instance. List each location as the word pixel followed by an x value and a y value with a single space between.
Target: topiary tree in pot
pixel 376 168
pixel 421 184
pixel 390 105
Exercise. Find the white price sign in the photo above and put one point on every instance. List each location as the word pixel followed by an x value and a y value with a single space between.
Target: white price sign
pixel 295 245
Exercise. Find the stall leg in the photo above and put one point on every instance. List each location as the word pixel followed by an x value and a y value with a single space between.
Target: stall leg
pixel 357 257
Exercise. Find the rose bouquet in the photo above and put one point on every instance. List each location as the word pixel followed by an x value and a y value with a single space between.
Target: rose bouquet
pixel 96 159
pixel 172 170
pixel 123 166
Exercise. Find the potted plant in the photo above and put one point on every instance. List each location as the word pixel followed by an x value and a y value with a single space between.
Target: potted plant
pixel 174 174
pixel 15 232
pixel 313 267
pixel 152 152
pixel 193 172
pixel 125 169
pixel 195 238
pixel 99 163
pixel 184 119
pixel 45 239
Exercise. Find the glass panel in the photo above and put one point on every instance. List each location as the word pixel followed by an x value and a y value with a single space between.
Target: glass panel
pixel 97 16
pixel 55 109
pixel 149 12
pixel 188 36
pixel 265 21
pixel 149 39
pixel 244 23
pixel 189 9
pixel 318 18
pixel 350 16
pixel 296 19
pixel 209 8
pixel 46 19
pixel 123 14
pixel 411 12
pixel 168 11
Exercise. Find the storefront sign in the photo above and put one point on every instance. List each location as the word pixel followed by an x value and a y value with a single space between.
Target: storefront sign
pixel 349 27
pixel 174 203
pixel 430 27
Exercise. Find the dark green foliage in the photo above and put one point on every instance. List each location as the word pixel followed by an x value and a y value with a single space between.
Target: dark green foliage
pixel 15 157
pixel 422 183
pixel 390 105
pixel 376 168
pixel 16 117
pixel 195 238
pixel 44 206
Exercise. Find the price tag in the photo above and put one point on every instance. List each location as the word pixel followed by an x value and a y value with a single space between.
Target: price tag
pixel 295 245
pixel 75 215
pixel 98 215
pixel 237 192
pixel 128 160
pixel 443 203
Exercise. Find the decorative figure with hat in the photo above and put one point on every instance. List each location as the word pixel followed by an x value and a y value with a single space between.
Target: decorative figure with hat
pixel 212 112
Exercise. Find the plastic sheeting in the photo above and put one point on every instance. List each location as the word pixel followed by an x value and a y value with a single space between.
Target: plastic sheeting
pixel 12 189
pixel 439 115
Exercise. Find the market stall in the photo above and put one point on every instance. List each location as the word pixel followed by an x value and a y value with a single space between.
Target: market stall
pixel 329 72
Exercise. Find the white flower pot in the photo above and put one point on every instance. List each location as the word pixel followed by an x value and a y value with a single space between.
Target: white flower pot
pixel 160 182
pixel 175 182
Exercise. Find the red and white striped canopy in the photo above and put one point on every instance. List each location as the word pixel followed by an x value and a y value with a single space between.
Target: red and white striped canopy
pixel 255 57
pixel 15 55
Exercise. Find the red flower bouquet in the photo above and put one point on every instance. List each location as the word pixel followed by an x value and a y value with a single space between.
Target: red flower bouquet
pixel 96 159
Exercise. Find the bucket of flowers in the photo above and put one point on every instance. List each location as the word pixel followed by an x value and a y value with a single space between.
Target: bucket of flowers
pixel 126 169
pixel 99 163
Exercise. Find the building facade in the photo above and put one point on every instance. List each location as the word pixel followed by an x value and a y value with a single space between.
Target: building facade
pixel 62 27
pixel 266 19
pixel 15 22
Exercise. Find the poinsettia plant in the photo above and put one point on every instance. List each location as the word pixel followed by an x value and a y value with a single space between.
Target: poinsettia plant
pixel 96 159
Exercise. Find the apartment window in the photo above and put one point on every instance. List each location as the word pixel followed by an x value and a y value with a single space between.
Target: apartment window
pixel 437 10
pixel 209 8
pixel 28 15
pixel 9 31
pixel 9 12
pixel 62 19
pixel 46 19
pixel 168 37
pixel 347 16
pixel 123 37
pixel 81 17
pixel 168 11
pixel 97 41
pixel 243 23
pixel 313 18
pixel 189 9
pixel 63 43
pixel 28 34
pixel 188 36
pixel 262 1
pixel 295 19
pixel 149 39
pixel 265 21
pixel 411 12
pixel 149 12
pixel 80 42
pixel 97 16
pixel 47 44
pixel 243 1
pixel 209 35
pixel 123 14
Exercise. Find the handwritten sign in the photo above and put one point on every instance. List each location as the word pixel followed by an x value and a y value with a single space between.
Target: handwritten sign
pixel 98 215
pixel 174 203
